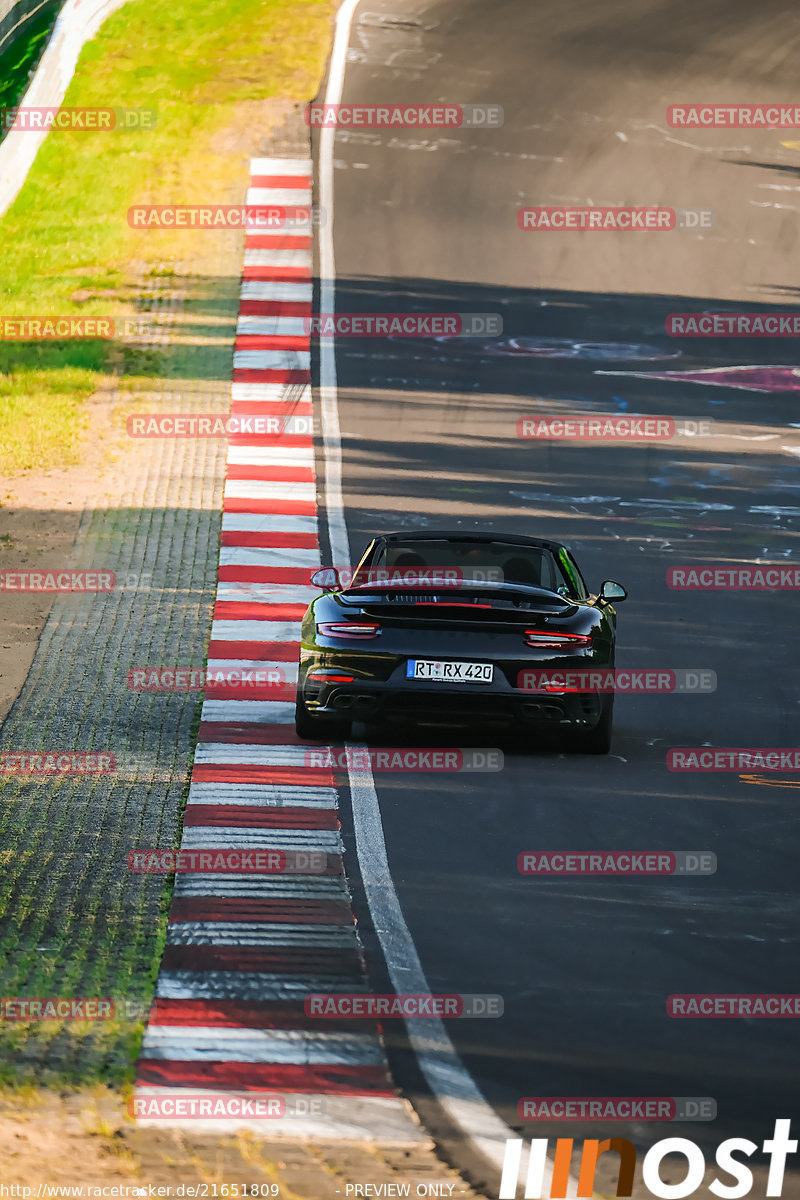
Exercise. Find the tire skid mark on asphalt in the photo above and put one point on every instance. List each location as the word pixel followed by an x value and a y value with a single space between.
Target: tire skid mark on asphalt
pixel 243 950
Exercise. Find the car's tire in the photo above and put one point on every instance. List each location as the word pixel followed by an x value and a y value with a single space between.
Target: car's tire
pixel 312 729
pixel 596 740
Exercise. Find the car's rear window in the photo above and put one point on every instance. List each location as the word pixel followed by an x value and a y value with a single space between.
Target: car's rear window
pixel 492 562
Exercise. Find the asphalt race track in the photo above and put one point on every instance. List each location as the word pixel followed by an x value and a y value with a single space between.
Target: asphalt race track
pixel 426 221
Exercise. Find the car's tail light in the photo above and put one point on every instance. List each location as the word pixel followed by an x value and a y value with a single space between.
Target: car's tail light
pixel 330 677
pixel 349 629
pixel 553 640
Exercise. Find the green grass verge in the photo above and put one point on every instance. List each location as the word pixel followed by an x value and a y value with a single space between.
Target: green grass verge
pixel 65 245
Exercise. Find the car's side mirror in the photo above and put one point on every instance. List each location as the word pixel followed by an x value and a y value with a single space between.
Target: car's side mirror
pixel 327 578
pixel 609 590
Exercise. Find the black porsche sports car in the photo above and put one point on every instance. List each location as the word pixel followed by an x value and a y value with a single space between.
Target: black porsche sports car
pixel 448 628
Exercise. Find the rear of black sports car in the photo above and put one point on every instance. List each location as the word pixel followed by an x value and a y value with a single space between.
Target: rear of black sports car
pixel 435 629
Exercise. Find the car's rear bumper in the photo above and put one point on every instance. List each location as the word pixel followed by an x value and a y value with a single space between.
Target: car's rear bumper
pixel 444 704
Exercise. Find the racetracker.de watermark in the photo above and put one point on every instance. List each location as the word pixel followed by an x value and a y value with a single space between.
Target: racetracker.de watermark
pixel 767 577
pixel 225 216
pixel 755 1004
pixel 733 758
pixel 617 862
pixel 721 324
pixel 607 427
pixel 404 116
pixel 227 861
pixel 415 759
pixel 734 116
pixel 227 1106
pixel 57 1008
pixel 38 119
pixel 77 1008
pixel 402 1004
pixel 613 218
pixel 617 679
pixel 412 325
pixel 57 580
pixel 199 679
pixel 616 1108
pixel 410 577
pixel 81 329
pixel 57 762
pixel 203 425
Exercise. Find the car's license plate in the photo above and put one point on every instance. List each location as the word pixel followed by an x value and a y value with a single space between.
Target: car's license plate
pixel 449 672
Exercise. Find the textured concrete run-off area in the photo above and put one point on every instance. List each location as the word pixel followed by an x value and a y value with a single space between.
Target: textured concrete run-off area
pixel 76 920
pixel 84 1137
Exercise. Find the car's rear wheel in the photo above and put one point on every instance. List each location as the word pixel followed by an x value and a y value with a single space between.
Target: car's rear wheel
pixel 316 729
pixel 598 739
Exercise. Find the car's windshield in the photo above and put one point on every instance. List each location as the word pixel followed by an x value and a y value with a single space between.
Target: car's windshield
pixel 484 562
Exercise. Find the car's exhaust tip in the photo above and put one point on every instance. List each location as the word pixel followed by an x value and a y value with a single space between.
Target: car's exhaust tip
pixel 355 702
pixel 542 712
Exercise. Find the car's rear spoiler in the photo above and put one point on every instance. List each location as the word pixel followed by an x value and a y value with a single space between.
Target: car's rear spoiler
pixel 516 596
